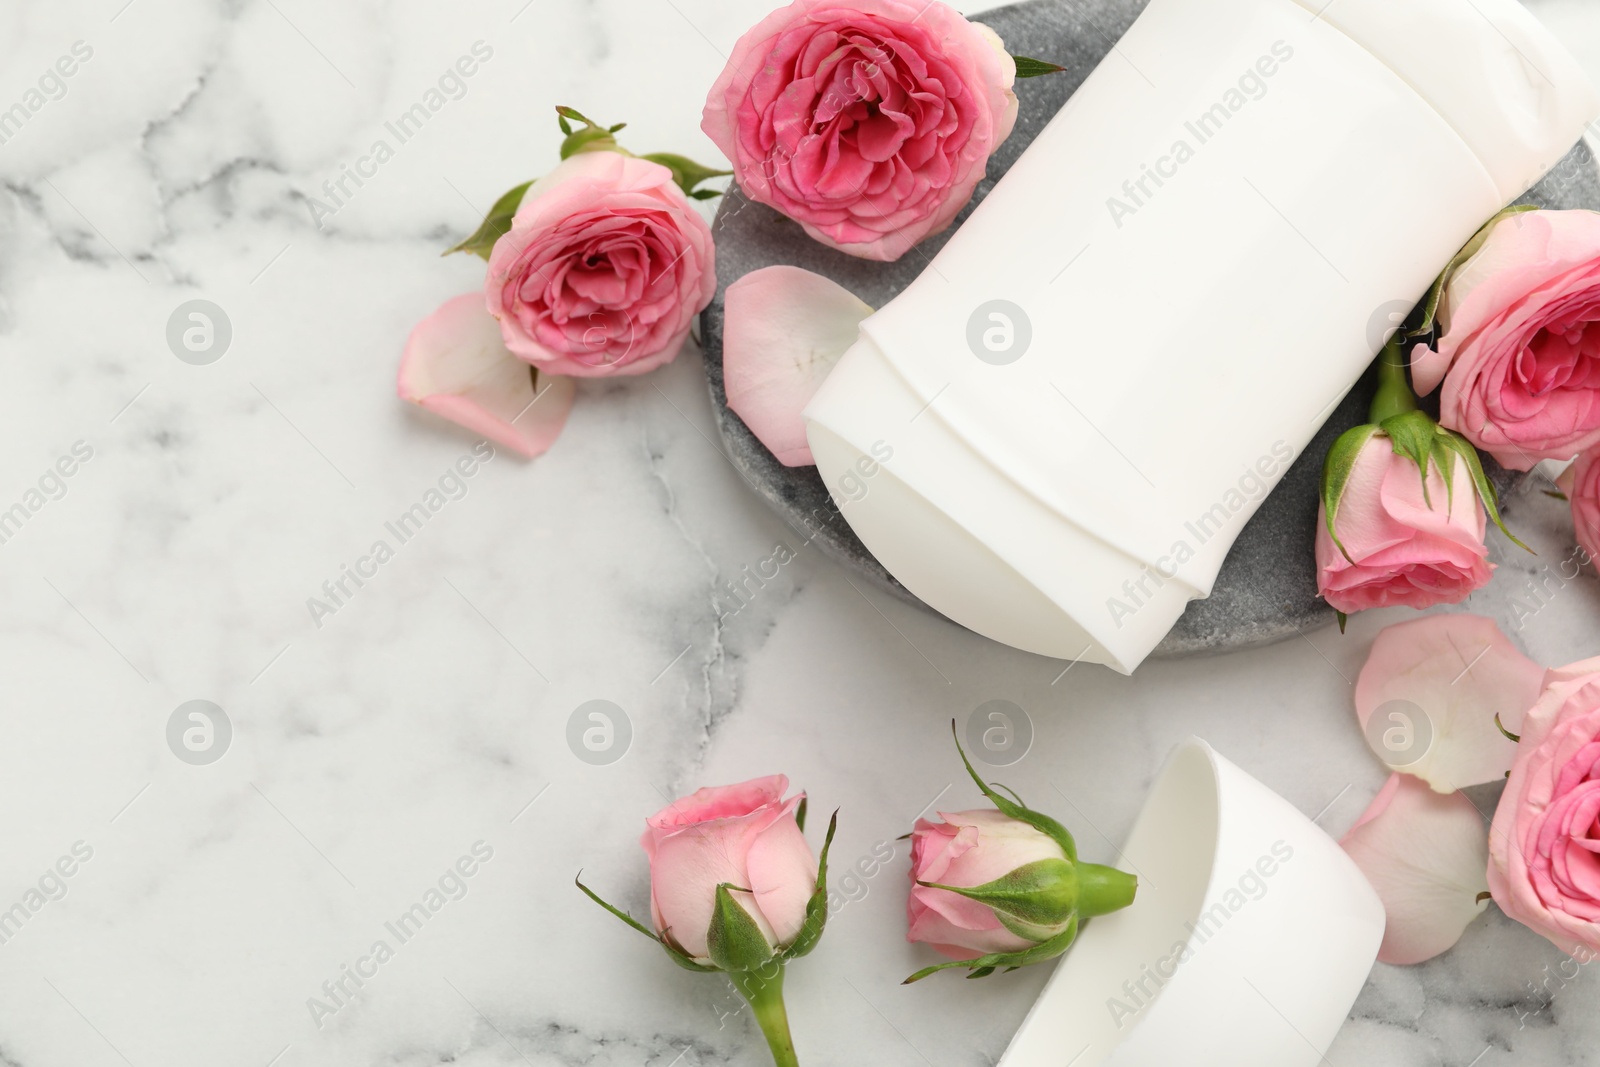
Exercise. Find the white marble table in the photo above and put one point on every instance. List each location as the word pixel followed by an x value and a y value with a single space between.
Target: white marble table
pixel 427 717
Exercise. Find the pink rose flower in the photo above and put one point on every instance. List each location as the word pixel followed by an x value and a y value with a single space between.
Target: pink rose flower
pixel 1399 546
pixel 1544 844
pixel 744 835
pixel 603 270
pixel 869 122
pixel 968 849
pixel 1520 356
pixel 1581 483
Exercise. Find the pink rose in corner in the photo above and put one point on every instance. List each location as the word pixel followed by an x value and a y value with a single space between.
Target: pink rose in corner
pixel 1544 844
pixel 603 269
pixel 1581 483
pixel 1519 357
pixel 1398 542
pixel 868 122
pixel 745 835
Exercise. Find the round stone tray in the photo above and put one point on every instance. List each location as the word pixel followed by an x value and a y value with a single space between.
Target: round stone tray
pixel 1267 589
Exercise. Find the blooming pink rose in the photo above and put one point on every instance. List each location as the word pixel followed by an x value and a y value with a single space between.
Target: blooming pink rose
pixel 456 366
pixel 967 849
pixel 1520 355
pixel 869 122
pixel 744 835
pixel 603 270
pixel 1581 483
pixel 1544 844
pixel 1399 546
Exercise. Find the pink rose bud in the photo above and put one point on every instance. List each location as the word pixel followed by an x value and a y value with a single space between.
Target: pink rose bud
pixel 1397 536
pixel 1519 358
pixel 1544 844
pixel 1003 888
pixel 734 887
pixel 869 123
pixel 744 836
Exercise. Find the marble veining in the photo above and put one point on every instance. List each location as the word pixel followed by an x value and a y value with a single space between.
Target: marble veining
pixel 426 718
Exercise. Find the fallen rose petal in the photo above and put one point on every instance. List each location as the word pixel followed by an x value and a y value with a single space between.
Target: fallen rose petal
pixel 1426 856
pixel 456 365
pixel 1430 690
pixel 784 330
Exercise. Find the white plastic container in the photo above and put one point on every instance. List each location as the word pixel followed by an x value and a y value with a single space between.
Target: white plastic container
pixel 1251 935
pixel 1091 388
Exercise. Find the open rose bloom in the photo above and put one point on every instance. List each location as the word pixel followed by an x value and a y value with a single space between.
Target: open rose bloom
pixel 1519 359
pixel 1402 543
pixel 870 123
pixel 1544 845
pixel 604 268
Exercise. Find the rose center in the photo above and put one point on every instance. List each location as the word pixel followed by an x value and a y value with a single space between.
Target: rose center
pixel 1561 357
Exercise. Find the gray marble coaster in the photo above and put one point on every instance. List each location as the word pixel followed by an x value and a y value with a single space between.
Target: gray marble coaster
pixel 1267 589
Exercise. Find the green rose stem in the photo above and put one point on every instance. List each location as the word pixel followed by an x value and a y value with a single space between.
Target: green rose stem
pixel 765 995
pixel 1394 395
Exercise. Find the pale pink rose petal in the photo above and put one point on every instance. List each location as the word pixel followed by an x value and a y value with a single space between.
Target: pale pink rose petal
pixel 783 875
pixel 1426 856
pixel 784 330
pixel 1007 845
pixel 456 365
pixel 686 869
pixel 1436 684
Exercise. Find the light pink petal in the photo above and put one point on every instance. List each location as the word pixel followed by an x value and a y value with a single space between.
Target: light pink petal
pixel 783 875
pixel 1430 690
pixel 685 871
pixel 456 365
pixel 1004 844
pixel 784 331
pixel 1426 856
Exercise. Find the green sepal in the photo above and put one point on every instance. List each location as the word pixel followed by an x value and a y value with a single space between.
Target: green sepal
pixel 687 173
pixel 1045 950
pixel 800 813
pixel 495 225
pixel 1043 893
pixel 817 906
pixel 1451 442
pixel 1509 736
pixel 1430 305
pixel 590 137
pixel 673 950
pixel 734 940
pixel 1032 68
pixel 1344 618
pixel 1336 473
pixel 1413 435
pixel 1039 821
pixel 981 972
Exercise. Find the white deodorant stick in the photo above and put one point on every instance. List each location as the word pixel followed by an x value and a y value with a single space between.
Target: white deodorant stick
pixel 1095 383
